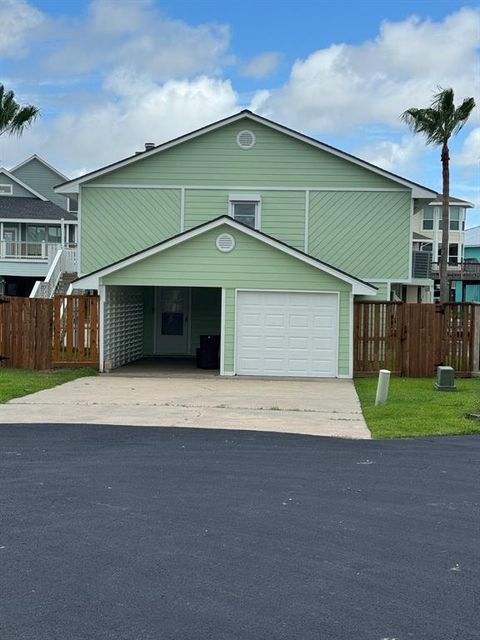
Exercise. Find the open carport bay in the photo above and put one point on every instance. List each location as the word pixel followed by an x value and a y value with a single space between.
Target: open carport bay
pixel 122 533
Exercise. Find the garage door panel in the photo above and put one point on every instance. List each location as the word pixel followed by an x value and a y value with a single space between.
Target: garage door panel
pixel 285 333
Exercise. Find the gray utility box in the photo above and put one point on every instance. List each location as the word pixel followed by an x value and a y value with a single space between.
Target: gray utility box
pixel 445 379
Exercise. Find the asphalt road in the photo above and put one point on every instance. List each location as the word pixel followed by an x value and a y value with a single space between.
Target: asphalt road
pixel 170 534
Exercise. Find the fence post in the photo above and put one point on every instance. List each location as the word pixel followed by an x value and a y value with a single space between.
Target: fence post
pixel 476 339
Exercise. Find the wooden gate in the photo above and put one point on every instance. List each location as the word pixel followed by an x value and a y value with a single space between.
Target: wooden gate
pixel 75 330
pixel 25 333
pixel 413 339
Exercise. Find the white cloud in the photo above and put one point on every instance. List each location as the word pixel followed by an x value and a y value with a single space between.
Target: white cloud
pixel 469 156
pixel 18 20
pixel 119 125
pixel 394 156
pixel 262 65
pixel 344 86
pixel 121 32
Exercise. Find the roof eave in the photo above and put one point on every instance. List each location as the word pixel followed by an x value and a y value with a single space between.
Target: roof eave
pixel 94 279
pixel 418 191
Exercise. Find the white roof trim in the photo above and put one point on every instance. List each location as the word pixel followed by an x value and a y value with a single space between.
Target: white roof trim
pixel 461 203
pixel 44 162
pixel 92 281
pixel 417 190
pixel 22 184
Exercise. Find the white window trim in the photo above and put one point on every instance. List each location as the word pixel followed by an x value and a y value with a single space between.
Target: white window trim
pixel 243 198
pixel 10 186
pixel 432 219
pixel 68 206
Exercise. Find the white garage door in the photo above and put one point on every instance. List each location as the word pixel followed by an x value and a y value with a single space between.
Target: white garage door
pixel 287 334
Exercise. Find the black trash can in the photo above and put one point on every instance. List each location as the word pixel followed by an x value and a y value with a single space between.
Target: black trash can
pixel 208 356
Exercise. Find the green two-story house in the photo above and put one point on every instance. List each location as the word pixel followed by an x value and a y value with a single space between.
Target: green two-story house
pixel 248 231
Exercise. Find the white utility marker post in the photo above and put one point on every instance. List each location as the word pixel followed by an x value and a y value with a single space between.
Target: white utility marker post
pixel 382 387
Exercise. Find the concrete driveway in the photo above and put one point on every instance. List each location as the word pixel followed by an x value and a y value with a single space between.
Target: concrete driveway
pixel 315 407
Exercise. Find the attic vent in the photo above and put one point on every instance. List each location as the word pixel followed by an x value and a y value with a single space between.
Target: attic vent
pixel 225 242
pixel 246 139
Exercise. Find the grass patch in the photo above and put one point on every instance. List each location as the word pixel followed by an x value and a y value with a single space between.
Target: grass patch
pixel 15 383
pixel 414 408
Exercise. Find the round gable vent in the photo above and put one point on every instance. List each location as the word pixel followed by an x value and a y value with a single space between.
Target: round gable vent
pixel 225 242
pixel 246 139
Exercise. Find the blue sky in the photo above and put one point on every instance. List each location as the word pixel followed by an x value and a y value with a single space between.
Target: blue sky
pixel 109 75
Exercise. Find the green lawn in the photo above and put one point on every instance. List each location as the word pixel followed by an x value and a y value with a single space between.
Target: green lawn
pixel 414 408
pixel 15 383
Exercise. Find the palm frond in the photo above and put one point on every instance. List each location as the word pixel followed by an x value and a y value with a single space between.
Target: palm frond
pixel 14 118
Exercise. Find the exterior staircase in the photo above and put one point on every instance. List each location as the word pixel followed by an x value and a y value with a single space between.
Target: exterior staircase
pixel 62 272
pixel 65 280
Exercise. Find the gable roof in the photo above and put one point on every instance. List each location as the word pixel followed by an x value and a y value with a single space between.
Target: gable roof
pixel 419 191
pixel 22 184
pixel 42 161
pixel 32 209
pixel 90 280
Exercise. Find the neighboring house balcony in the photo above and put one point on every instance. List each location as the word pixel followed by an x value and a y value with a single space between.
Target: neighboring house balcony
pixel 30 259
pixel 32 251
pixel 466 271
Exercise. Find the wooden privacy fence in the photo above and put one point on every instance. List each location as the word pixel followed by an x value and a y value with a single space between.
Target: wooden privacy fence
pixel 75 330
pixel 25 333
pixel 413 339
pixel 38 333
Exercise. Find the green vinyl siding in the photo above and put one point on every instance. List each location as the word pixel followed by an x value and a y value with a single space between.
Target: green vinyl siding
pixel 282 212
pixel 118 222
pixel 42 179
pixel 283 216
pixel 17 189
pixel 251 265
pixel 363 233
pixel 214 159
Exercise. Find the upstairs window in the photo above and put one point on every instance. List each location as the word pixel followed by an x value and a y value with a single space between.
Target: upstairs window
pixel 6 189
pixel 246 209
pixel 428 219
pixel 245 212
pixel 455 219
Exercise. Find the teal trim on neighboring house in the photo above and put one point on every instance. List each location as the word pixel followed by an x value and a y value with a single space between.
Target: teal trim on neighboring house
pixel 251 265
pixel 472 293
pixel 42 179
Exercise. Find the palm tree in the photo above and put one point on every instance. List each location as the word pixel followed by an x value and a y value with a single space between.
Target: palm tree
pixel 14 118
pixel 438 123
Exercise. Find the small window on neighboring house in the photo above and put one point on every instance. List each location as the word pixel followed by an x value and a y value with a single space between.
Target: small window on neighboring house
pixel 454 219
pixel 6 189
pixel 245 212
pixel 452 252
pixel 73 205
pixel 428 219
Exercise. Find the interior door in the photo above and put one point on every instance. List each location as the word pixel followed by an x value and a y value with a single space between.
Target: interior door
pixel 173 316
